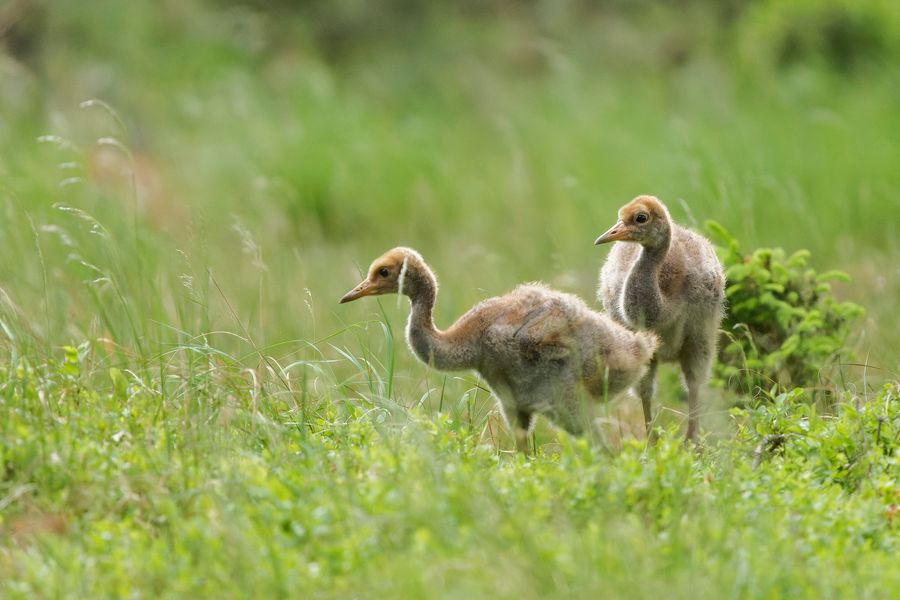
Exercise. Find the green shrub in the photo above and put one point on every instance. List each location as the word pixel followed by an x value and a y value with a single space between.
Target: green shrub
pixel 783 325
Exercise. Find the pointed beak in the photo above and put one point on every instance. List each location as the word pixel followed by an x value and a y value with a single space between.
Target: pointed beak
pixel 363 289
pixel 614 233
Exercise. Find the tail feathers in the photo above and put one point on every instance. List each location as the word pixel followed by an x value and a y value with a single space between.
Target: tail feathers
pixel 648 343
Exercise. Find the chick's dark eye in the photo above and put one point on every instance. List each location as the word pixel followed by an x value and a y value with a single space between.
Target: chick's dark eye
pixel 383 271
pixel 642 218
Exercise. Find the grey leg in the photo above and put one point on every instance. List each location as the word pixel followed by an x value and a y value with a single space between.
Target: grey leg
pixel 521 428
pixel 519 421
pixel 693 409
pixel 696 360
pixel 646 390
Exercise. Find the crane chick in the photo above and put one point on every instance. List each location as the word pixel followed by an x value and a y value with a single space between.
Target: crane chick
pixel 540 351
pixel 660 277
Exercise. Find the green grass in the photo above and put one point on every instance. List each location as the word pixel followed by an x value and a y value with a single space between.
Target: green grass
pixel 185 410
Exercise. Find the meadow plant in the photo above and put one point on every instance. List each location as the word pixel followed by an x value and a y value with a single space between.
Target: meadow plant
pixel 783 327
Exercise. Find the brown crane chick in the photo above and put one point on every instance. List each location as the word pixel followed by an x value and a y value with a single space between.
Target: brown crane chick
pixel 660 277
pixel 539 350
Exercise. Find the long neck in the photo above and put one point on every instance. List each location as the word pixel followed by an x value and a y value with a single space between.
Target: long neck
pixel 431 345
pixel 641 298
pixel 422 305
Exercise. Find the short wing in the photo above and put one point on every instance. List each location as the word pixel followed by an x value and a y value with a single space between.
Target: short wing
pixel 538 333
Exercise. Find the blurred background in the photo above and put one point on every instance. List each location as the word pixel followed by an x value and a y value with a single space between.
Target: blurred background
pixel 187 187
pixel 172 168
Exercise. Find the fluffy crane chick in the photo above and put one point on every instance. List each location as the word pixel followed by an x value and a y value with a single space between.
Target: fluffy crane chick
pixel 660 277
pixel 541 351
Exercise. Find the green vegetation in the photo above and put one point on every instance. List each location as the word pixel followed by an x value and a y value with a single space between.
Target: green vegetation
pixel 186 411
pixel 783 326
pixel 223 495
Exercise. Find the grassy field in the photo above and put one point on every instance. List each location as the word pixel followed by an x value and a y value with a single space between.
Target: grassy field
pixel 188 188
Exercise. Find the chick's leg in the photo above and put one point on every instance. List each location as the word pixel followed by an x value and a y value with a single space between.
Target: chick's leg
pixel 521 428
pixel 696 361
pixel 646 390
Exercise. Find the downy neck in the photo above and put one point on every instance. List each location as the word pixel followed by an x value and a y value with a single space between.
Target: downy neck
pixel 642 299
pixel 427 342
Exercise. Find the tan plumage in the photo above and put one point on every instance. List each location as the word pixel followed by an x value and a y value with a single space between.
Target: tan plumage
pixel 541 351
pixel 660 277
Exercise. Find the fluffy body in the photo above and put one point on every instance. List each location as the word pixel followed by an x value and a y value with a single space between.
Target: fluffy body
pixel 540 351
pixel 663 278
